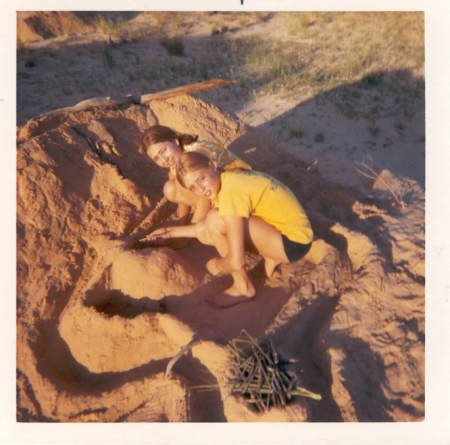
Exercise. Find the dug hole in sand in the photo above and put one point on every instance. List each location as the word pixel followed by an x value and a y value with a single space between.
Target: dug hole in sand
pixel 98 320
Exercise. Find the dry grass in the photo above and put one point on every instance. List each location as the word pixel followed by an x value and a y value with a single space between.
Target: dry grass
pixel 260 16
pixel 348 58
pixel 159 16
pixel 243 19
pixel 116 28
pixel 177 21
pixel 213 29
pixel 370 173
pixel 65 28
pixel 21 47
pixel 345 48
pixel 298 22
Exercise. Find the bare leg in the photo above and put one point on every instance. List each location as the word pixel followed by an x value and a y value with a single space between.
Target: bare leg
pixel 242 288
pixel 202 233
pixel 263 238
pixel 266 240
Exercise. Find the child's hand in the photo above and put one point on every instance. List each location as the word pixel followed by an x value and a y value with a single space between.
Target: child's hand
pixel 213 267
pixel 158 234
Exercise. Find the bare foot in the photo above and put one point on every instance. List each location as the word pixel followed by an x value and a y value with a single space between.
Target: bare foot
pixel 231 297
pixel 270 266
pixel 212 267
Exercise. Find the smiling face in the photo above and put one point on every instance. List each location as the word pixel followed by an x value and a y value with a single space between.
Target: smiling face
pixel 204 182
pixel 165 154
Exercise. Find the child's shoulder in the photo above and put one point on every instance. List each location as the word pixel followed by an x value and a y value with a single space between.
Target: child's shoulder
pixel 201 144
pixel 237 176
pixel 243 173
pixel 248 179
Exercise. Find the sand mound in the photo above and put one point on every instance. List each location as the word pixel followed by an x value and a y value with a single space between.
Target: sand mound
pixel 99 321
pixel 42 25
pixel 45 25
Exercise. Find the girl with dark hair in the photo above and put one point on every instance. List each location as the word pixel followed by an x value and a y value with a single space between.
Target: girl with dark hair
pixel 164 146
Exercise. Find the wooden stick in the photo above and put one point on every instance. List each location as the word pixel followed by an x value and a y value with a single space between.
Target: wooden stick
pixel 249 378
pixel 195 341
pixel 188 89
pixel 241 376
pixel 109 102
pixel 291 385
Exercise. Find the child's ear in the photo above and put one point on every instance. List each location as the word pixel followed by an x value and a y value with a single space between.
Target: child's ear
pixel 212 166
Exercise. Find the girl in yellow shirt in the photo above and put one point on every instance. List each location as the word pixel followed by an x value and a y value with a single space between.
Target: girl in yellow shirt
pixel 250 209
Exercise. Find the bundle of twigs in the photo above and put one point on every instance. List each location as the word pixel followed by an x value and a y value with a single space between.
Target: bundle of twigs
pixel 261 377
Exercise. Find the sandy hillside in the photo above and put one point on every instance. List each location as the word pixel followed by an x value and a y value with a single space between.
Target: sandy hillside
pixel 99 319
pixel 302 78
pixel 91 332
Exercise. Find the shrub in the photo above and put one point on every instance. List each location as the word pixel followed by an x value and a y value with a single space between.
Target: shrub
pixel 173 45
pixel 107 58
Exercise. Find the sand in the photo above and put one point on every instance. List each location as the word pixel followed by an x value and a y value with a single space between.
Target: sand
pixel 98 320
pixel 93 342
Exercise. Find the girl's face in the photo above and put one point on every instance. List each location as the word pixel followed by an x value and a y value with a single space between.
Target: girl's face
pixel 204 182
pixel 165 154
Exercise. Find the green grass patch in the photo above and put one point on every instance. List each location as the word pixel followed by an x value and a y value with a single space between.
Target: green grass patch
pixel 173 45
pixel 21 48
pixel 296 131
pixel 108 59
pixel 29 61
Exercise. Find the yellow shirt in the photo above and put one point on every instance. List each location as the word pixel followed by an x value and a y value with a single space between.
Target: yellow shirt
pixel 220 156
pixel 245 193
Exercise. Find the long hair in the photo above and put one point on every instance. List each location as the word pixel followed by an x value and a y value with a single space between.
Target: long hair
pixel 190 162
pixel 160 133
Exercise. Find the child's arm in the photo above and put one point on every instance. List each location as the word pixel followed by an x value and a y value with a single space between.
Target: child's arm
pixel 172 232
pixel 232 247
pixel 183 214
pixel 201 210
pixel 186 200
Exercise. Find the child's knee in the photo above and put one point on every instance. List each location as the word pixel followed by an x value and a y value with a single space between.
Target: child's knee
pixel 202 233
pixel 170 191
pixel 212 220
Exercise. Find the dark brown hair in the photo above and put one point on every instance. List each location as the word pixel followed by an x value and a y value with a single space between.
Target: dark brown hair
pixel 160 133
